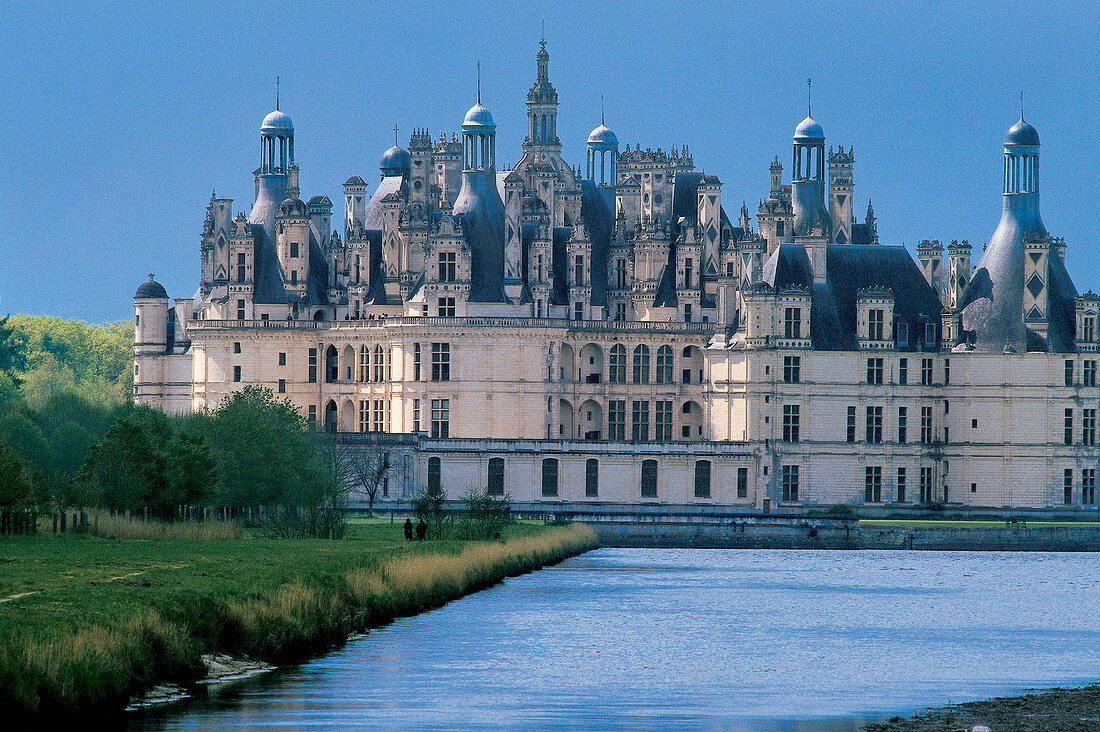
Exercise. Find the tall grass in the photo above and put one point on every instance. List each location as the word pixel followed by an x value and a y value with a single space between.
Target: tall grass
pixel 97 670
pixel 123 527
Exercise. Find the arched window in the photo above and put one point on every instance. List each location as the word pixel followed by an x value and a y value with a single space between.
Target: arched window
pixel 330 416
pixel 664 365
pixel 435 472
pixel 617 365
pixel 496 477
pixel 332 365
pixel 649 479
pixel 379 365
pixel 641 365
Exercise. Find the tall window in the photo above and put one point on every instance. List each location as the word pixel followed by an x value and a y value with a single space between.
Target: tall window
pixel 790 482
pixel 901 485
pixel 441 362
pixel 662 420
pixel 441 418
pixel 872 484
pixel 496 477
pixel 664 365
pixel 649 479
pixel 446 307
pixel 639 426
pixel 1088 486
pixel 926 485
pixel 790 422
pixel 903 371
pixel 416 415
pixel 578 270
pixel 447 267
pixel 240 310
pixel 874 370
pixel 1088 373
pixel 926 425
pixel 1088 329
pixel 416 362
pixel 293 250
pixel 901 332
pixel 549 476
pixel 851 424
pixel 312 365
pixel 435 473
pixel 875 320
pixel 616 419
pixel 792 369
pixel 240 268
pixel 926 372
pixel 379 415
pixel 689 272
pixel 620 274
pixel 874 424
pixel 641 365
pixel 616 365
pixel 702 478
pixel 742 482
pixel 591 478
pixel 1067 486
pixel 1088 427
pixel 1068 436
pixel 903 419
pixel 578 310
pixel 364 415
pixel 946 371
pixel 236 373
pixel 792 323
pixel 620 311
pixel 1069 372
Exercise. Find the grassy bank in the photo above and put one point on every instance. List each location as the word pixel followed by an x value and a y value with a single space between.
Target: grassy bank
pixel 87 622
pixel 1065 710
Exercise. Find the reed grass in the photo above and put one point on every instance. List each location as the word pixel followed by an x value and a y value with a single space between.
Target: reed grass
pixel 124 527
pixel 60 673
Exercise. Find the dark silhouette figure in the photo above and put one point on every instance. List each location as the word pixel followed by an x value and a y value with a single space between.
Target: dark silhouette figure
pixel 408 529
pixel 421 530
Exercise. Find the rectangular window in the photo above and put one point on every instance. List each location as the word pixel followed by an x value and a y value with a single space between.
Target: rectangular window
pixel 441 362
pixel 312 418
pixel 620 311
pixel 792 323
pixel 903 371
pixel 649 479
pixel 926 372
pixel 441 418
pixel 790 483
pixel 872 484
pixel 578 310
pixel 926 485
pixel 901 485
pixel 620 274
pixel 875 319
pixel 1069 372
pixel 1068 436
pixel 930 335
pixel 312 365
pixel 702 478
pixel 742 482
pixel 495 485
pixel 578 271
pixel 236 373
pixel 874 424
pixel 616 419
pixel 379 415
pixel 687 313
pixel 664 365
pixel 1088 373
pixel 1088 329
pixel 946 371
pixel 591 478
pixel 364 415
pixel 282 359
pixel 901 332
pixel 790 422
pixel 662 421
pixel 240 268
pixel 282 386
pixel 851 424
pixel 240 310
pixel 639 427
pixel 792 369
pixel 1067 487
pixel 1088 427
pixel 926 425
pixel 874 370
pixel 447 267
pixel 237 347
pixel 903 419
pixel 689 272
pixel 416 415
pixel 416 362
pixel 293 277
pixel 435 473
pixel 1088 486
pixel 446 307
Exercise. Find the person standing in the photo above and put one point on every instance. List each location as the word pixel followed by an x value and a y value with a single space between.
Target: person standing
pixel 421 530
pixel 408 529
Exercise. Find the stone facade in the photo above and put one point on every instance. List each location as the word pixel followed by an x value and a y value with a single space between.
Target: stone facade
pixel 613 337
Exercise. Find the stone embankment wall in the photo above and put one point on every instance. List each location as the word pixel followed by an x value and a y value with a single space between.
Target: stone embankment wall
pixel 818 534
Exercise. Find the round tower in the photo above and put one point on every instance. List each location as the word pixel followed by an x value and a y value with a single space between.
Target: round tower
pixel 808 183
pixel 273 177
pixel 603 154
pixel 150 333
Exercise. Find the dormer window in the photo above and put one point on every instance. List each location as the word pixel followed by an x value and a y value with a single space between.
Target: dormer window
pixel 294 250
pixel 792 323
pixel 901 329
pixel 447 267
pixel 875 320
pixel 1088 329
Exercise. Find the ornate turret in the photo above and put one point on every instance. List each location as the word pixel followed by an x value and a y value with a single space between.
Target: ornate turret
pixel 603 153
pixel 808 182
pixel 542 106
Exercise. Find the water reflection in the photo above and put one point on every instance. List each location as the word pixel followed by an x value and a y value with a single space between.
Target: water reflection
pixel 642 638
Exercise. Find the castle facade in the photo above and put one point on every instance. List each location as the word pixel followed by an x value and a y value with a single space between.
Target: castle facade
pixel 608 336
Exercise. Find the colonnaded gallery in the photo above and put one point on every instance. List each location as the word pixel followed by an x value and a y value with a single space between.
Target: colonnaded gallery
pixel 607 335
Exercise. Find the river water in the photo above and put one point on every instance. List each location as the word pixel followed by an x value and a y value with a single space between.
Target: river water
pixel 721 639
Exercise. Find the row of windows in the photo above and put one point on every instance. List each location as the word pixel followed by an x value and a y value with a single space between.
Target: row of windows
pixel 640 365
pixel 1088 487
pixel 640 420
pixel 1088 372
pixel 875 370
pixel 373 365
pixel 872 423
pixel 872 484
pixel 1088 427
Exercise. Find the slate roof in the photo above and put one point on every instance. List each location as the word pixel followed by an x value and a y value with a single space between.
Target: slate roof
pixel 598 220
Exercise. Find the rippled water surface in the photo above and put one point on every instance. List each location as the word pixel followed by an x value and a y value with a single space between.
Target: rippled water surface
pixel 724 639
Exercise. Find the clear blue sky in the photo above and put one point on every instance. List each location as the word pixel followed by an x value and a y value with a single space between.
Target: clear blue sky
pixel 116 123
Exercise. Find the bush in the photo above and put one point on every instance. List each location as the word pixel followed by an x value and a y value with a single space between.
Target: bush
pixel 485 516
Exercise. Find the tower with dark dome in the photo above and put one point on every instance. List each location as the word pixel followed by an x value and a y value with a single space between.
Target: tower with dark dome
pixel 808 182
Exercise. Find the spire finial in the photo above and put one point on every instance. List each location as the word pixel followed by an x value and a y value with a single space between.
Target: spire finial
pixel 479 82
pixel 601 110
pixel 809 106
pixel 276 93
pixel 1021 105
pixel 151 276
pixel 395 129
pixel 542 41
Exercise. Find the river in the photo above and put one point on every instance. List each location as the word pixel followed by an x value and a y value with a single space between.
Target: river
pixel 724 639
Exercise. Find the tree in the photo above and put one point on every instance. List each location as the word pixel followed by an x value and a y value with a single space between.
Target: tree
pixel 486 514
pixel 125 471
pixel 429 506
pixel 22 435
pixel 369 466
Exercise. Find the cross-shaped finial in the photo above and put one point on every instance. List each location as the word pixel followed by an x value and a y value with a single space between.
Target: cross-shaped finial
pixel 276 93
pixel 151 276
pixel 395 129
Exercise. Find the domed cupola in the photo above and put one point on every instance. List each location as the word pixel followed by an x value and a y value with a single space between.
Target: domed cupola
pixel 396 161
pixel 292 207
pixel 277 121
pixel 151 289
pixel 603 135
pixel 603 154
pixel 478 118
pixel 1022 133
pixel 809 129
pixel 808 181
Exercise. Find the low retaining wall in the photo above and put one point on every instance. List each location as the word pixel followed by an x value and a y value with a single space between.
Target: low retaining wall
pixel 847 535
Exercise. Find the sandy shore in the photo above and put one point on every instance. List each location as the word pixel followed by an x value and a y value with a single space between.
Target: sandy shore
pixel 1056 710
